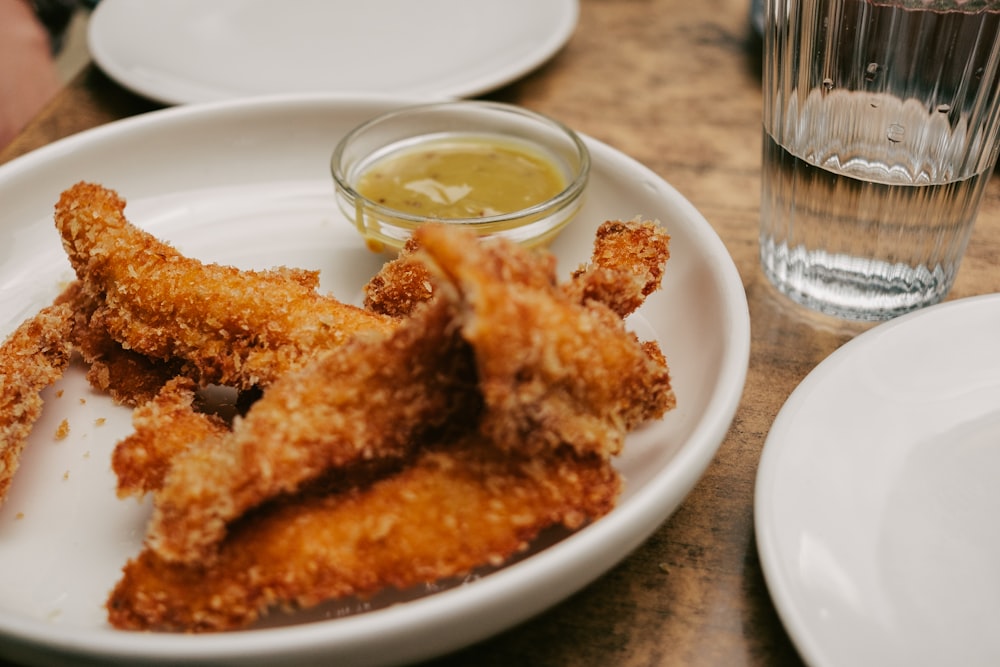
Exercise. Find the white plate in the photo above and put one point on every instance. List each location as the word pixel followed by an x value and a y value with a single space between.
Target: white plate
pixel 248 183
pixel 878 496
pixel 180 51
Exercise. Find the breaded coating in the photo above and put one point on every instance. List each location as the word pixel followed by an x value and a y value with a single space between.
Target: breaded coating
pixel 368 399
pixel 451 511
pixel 473 403
pixel 130 378
pixel 627 265
pixel 400 285
pixel 552 371
pixel 166 426
pixel 32 357
pixel 234 327
pixel 408 280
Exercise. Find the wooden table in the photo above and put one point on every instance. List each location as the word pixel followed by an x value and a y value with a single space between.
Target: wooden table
pixel 675 84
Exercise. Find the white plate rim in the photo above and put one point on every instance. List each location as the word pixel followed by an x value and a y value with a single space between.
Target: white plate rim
pixel 653 504
pixel 784 588
pixel 116 65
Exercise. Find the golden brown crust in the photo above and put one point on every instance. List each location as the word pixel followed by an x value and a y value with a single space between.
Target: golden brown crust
pixel 165 427
pixel 371 399
pixel 234 327
pixel 479 405
pixel 128 377
pixel 448 513
pixel 552 371
pixel 627 265
pixel 31 358
pixel 400 285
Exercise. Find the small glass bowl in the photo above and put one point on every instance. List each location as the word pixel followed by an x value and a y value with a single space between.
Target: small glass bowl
pixel 384 227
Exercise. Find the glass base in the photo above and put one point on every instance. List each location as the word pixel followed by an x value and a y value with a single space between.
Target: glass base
pixel 853 288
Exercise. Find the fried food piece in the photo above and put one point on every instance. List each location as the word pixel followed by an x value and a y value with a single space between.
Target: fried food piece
pixel 407 281
pixel 400 285
pixel 552 371
pixel 164 427
pixel 130 378
pixel 450 512
pixel 236 328
pixel 627 266
pixel 368 399
pixel 32 357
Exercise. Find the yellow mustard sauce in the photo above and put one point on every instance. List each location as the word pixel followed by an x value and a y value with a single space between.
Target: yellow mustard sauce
pixel 462 177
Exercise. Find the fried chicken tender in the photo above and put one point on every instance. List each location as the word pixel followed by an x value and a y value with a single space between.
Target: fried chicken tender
pixel 407 281
pixel 534 351
pixel 130 378
pixel 474 403
pixel 552 371
pixel 454 509
pixel 400 285
pixel 372 398
pixel 234 327
pixel 32 357
pixel 165 427
pixel 626 266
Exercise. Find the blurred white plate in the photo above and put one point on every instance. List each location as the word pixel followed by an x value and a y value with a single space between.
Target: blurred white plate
pixel 878 496
pixel 248 183
pixel 180 51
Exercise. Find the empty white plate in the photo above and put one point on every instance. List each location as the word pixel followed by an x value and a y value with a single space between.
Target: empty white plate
pixel 878 495
pixel 181 51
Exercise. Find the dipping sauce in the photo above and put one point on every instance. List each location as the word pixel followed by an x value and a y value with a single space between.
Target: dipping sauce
pixel 462 177
pixel 494 169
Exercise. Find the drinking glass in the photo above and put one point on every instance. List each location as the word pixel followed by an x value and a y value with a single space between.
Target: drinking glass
pixel 880 134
